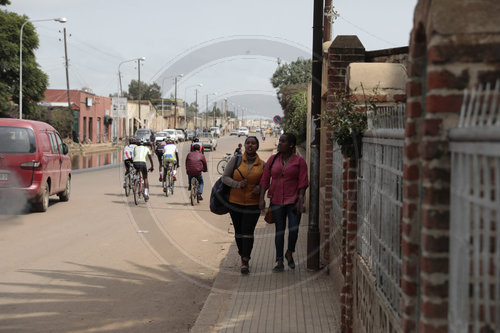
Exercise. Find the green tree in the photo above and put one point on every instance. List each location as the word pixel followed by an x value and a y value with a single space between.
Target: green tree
pixel 291 81
pixel 148 91
pixel 35 81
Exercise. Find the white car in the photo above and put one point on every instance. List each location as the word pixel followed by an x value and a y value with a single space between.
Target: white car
pixel 208 140
pixel 180 135
pixel 215 131
pixel 243 131
pixel 160 136
pixel 171 134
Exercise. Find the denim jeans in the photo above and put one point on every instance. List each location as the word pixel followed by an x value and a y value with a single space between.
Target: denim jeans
pixel 280 214
pixel 200 181
pixel 244 221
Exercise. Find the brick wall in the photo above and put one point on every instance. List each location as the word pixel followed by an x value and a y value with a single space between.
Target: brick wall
pixel 446 56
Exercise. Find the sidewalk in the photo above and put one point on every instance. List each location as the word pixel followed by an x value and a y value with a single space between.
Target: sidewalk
pixel 293 301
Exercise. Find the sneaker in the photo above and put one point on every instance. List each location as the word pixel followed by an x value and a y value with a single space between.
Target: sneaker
pixel 124 185
pixel 160 179
pixel 244 269
pixel 175 178
pixel 200 198
pixel 289 259
pixel 146 192
pixel 279 266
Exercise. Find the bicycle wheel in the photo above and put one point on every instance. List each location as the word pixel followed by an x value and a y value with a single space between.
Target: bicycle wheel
pixel 127 185
pixel 136 191
pixel 221 166
pixel 171 180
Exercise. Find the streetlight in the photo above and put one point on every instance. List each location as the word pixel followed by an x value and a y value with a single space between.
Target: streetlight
pixel 162 83
pixel 185 100
pixel 139 83
pixel 119 73
pixel 60 20
pixel 175 102
pixel 206 115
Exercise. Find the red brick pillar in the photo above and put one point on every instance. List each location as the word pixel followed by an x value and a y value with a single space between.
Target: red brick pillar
pixel 343 51
pixel 349 226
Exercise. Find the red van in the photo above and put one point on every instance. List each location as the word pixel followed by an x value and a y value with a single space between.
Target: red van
pixel 34 162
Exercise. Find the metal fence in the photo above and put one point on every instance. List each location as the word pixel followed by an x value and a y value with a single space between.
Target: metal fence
pixel 380 183
pixel 474 287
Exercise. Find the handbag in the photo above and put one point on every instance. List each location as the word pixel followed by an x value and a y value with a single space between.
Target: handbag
pixel 269 213
pixel 219 196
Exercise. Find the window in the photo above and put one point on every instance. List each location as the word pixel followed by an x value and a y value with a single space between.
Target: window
pixel 17 140
pixel 53 143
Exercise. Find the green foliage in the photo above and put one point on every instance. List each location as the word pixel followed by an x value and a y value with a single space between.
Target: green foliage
pixel 148 91
pixel 61 118
pixel 296 119
pixel 35 81
pixel 291 81
pixel 349 122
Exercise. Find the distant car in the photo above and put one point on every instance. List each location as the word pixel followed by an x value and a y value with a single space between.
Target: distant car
pixel 243 131
pixel 208 140
pixel 269 131
pixel 160 136
pixel 34 163
pixel 190 134
pixel 144 133
pixel 215 131
pixel 180 135
pixel 171 134
pixel 234 132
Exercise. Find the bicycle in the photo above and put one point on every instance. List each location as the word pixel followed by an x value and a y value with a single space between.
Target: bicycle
pixel 129 180
pixel 168 179
pixel 222 163
pixel 138 187
pixel 194 191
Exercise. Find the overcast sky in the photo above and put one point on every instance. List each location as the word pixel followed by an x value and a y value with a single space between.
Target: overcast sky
pixel 229 46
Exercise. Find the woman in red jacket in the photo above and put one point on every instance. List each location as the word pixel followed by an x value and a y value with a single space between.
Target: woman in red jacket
pixel 288 172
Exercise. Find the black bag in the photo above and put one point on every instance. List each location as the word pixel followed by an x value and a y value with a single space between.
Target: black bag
pixel 219 197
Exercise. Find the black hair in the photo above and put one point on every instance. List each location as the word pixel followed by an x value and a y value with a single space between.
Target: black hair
pixel 252 137
pixel 196 147
pixel 292 140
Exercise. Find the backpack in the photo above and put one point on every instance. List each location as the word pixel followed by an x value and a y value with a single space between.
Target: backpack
pixel 219 196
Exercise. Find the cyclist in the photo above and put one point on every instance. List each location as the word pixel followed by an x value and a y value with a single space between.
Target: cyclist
pixel 140 153
pixel 128 155
pixel 159 150
pixel 170 155
pixel 195 165
pixel 196 141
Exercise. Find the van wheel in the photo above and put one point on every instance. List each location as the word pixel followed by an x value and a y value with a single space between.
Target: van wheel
pixel 43 203
pixel 64 195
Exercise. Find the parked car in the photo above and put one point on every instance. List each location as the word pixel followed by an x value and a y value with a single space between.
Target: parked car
pixel 243 131
pixel 190 134
pixel 160 136
pixel 234 132
pixel 208 140
pixel 34 162
pixel 144 133
pixel 171 134
pixel 181 136
pixel 215 131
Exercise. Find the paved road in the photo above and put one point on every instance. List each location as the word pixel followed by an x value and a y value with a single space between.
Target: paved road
pixel 100 263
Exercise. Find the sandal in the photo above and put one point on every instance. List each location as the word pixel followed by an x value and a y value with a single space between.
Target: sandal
pixel 279 266
pixel 289 259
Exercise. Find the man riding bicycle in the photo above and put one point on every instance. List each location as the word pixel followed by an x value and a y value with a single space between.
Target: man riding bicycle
pixel 196 141
pixel 195 165
pixel 140 153
pixel 170 156
pixel 128 155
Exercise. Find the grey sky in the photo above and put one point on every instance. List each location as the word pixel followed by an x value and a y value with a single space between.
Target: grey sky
pixel 107 32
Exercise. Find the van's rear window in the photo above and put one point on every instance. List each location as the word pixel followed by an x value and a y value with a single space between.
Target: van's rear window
pixel 17 140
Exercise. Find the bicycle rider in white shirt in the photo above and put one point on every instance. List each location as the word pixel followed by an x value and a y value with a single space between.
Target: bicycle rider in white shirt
pixel 140 154
pixel 170 155
pixel 128 156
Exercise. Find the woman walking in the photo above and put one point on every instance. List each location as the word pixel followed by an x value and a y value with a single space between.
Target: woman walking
pixel 285 175
pixel 243 174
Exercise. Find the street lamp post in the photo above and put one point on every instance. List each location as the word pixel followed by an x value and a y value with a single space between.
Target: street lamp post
pixel 206 115
pixel 185 100
pixel 119 73
pixel 60 20
pixel 162 83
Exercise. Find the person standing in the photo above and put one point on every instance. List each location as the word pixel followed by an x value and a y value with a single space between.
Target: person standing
pixel 244 179
pixel 285 175
pixel 195 165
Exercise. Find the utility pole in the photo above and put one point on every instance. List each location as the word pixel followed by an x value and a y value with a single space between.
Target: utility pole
pixel 196 110
pixel 313 236
pixel 327 24
pixel 139 83
pixel 213 113
pixel 175 103
pixel 67 72
pixel 224 121
pixel 206 114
